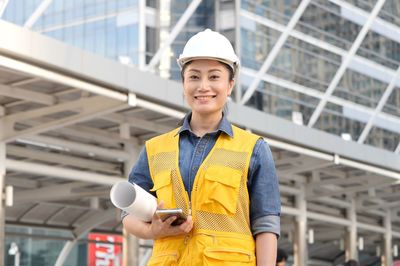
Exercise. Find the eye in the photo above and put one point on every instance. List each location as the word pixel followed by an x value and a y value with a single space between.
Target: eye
pixel 193 77
pixel 214 77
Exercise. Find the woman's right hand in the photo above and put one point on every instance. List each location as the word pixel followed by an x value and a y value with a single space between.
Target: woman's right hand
pixel 160 229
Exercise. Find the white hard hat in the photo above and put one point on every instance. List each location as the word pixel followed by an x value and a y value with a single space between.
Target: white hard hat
pixel 209 44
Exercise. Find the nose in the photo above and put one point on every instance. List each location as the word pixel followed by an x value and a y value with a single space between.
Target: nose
pixel 204 84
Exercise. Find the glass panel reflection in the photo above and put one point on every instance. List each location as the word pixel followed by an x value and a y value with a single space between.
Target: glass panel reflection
pixel 380 50
pixel 382 138
pixel 324 21
pixel 305 64
pixel 280 101
pixel 277 10
pixel 392 105
pixel 360 89
pixel 333 120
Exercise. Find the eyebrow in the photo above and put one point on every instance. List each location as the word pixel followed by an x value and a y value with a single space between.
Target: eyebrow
pixel 211 70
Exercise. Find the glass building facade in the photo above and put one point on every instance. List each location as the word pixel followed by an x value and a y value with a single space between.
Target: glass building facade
pixel 299 75
pixel 312 77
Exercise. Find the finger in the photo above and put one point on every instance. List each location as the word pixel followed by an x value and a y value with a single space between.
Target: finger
pixel 170 220
pixel 187 225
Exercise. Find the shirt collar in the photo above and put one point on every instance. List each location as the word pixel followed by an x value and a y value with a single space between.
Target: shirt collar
pixel 224 126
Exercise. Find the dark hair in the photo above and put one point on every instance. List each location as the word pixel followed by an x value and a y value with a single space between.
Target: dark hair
pixel 281 255
pixel 231 74
pixel 351 263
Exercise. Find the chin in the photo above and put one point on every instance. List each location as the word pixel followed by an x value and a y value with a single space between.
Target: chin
pixel 205 112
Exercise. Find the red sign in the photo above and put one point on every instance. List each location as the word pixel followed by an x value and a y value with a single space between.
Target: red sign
pixel 106 251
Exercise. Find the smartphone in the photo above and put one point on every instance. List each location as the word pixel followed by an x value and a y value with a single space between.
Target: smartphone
pixel 164 214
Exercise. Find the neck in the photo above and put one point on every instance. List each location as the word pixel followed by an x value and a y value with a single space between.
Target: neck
pixel 202 125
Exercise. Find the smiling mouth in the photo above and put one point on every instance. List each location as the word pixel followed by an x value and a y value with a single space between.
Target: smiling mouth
pixel 205 97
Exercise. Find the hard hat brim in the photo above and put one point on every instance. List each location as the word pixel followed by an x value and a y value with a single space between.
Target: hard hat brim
pixel 183 61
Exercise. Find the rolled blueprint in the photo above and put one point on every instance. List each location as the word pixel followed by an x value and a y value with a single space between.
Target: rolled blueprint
pixel 134 200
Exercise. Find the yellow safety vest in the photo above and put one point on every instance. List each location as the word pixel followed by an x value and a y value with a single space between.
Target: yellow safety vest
pixel 220 203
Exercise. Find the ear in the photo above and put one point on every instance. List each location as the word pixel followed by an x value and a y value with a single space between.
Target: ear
pixel 231 84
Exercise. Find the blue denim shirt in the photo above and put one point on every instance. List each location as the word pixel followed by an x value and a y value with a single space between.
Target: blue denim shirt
pixel 263 186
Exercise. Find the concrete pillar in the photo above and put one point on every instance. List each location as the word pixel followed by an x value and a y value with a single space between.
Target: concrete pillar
pixel 130 244
pixel 351 233
pixel 142 33
pixel 300 252
pixel 2 188
pixel 387 258
pixel 2 201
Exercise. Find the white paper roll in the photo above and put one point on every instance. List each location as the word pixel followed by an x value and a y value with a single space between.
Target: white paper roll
pixel 134 200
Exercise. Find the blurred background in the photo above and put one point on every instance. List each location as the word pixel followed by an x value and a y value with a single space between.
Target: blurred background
pixel 319 80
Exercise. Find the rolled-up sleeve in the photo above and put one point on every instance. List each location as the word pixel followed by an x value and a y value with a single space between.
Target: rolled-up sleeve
pixel 263 185
pixel 140 175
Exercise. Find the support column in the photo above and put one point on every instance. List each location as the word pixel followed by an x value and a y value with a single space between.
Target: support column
pixel 300 242
pixel 130 244
pixel 387 259
pixel 2 191
pixel 351 233
pixel 142 34
pixel 238 89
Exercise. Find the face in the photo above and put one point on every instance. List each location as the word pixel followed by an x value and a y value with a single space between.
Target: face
pixel 206 86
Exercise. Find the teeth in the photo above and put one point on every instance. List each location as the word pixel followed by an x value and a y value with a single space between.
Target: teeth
pixel 203 97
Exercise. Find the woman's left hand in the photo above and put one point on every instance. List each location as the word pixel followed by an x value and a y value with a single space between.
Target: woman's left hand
pixel 160 229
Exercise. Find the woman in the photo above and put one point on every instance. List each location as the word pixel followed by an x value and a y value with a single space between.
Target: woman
pixel 221 176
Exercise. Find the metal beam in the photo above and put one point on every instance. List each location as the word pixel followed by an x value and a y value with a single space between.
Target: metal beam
pixel 37 13
pixel 90 107
pixel 174 33
pixel 339 73
pixel 93 134
pixel 379 107
pixel 362 63
pixel 79 232
pixel 26 95
pixel 23 82
pixel 352 190
pixel 397 151
pixel 69 81
pixel 342 181
pixel 275 50
pixel 383 204
pixel 59 172
pixel 47 193
pixel 64 159
pixel 76 146
pixel 359 16
pixel 138 123
pixel 306 167
pixel 3 6
pixel 319 95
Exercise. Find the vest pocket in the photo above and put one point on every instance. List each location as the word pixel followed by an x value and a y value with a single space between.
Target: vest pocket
pixel 220 190
pixel 227 256
pixel 168 258
pixel 163 188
